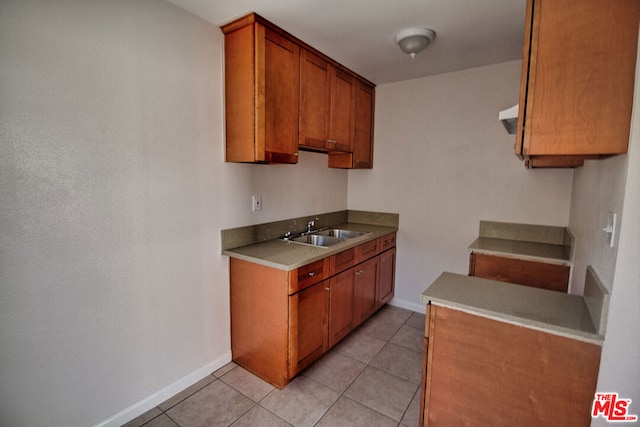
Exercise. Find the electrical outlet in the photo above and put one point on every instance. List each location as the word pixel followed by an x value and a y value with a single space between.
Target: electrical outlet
pixel 256 203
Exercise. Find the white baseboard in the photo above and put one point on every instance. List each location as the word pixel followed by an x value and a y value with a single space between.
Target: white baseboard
pixel 409 305
pixel 153 400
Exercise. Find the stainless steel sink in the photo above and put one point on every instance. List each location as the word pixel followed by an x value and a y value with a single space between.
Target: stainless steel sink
pixel 342 234
pixel 316 240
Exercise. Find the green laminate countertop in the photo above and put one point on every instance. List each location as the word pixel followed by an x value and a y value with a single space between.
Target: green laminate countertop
pixel 521 249
pixel 548 311
pixel 525 241
pixel 287 255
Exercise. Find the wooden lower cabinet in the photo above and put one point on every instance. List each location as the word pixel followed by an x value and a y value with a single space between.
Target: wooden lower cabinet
pixel 387 277
pixel 483 372
pixel 366 280
pixel 537 274
pixel 308 314
pixel 283 321
pixel 341 301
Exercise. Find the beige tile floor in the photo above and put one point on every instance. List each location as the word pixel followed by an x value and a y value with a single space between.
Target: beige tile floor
pixel 369 379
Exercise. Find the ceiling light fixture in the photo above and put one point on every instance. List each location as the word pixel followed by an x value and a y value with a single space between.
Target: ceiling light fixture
pixel 414 40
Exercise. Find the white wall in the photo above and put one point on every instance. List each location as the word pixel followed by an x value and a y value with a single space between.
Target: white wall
pixel 598 187
pixel 619 367
pixel 113 191
pixel 444 162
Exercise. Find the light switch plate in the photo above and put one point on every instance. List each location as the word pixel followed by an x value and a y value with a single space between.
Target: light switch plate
pixel 610 228
pixel 256 203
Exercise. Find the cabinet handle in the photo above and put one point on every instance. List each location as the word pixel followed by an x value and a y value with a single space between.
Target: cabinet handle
pixel 332 141
pixel 312 273
pixel 327 289
pixel 359 272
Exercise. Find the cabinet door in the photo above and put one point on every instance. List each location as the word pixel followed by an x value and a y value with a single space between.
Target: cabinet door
pixel 362 156
pixel 314 101
pixel 261 94
pixel 387 276
pixel 366 277
pixel 280 93
pixel 342 110
pixel 363 138
pixel 341 315
pixel 577 91
pixel 308 317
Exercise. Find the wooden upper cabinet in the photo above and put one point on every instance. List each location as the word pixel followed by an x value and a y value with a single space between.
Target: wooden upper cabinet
pixel 577 82
pixel 327 105
pixel 362 156
pixel 342 112
pixel 281 94
pixel 261 93
pixel 315 90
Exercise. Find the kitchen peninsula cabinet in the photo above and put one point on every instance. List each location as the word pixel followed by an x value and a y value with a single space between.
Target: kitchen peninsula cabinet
pixel 503 355
pixel 526 254
pixel 261 93
pixel 327 105
pixel 282 321
pixel 576 91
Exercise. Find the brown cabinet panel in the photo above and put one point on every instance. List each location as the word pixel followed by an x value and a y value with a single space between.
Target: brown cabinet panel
pixel 341 302
pixel 523 272
pixel 314 101
pixel 363 138
pixel 261 94
pixel 362 156
pixel 343 260
pixel 367 250
pixel 483 372
pixel 308 312
pixel 366 281
pixel 387 242
pixel 281 95
pixel 308 275
pixel 387 277
pixel 576 92
pixel 342 111
pixel 327 105
pixel 259 337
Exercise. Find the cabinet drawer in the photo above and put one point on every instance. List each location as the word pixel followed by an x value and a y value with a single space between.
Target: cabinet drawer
pixel 537 274
pixel 367 250
pixel 343 260
pixel 308 275
pixel 387 242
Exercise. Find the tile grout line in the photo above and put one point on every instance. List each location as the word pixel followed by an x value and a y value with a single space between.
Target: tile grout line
pixel 341 394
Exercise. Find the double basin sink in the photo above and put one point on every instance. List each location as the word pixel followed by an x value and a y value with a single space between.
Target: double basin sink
pixel 326 238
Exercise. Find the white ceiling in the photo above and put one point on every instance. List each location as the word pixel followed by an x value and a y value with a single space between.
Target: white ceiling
pixel 359 33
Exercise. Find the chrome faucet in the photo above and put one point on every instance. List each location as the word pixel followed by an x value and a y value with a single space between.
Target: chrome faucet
pixel 310 224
